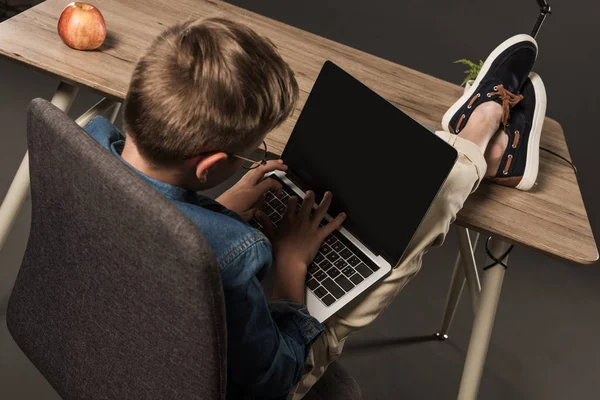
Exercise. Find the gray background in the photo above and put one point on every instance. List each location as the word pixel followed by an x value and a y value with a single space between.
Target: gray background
pixel 544 344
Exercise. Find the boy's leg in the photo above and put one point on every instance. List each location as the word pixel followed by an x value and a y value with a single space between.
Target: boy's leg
pixel 464 178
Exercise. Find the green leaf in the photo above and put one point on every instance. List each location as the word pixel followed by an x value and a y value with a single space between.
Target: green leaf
pixel 472 72
pixel 468 63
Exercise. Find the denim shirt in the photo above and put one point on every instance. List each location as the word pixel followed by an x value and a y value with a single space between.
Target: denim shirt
pixel 267 342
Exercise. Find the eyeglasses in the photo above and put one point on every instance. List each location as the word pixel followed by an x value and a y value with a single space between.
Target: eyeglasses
pixel 250 163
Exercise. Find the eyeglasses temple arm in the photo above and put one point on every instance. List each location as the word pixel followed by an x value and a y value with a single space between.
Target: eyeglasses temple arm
pixel 244 158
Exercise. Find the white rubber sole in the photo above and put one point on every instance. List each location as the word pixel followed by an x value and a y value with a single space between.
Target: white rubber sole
pixel 533 144
pixel 484 70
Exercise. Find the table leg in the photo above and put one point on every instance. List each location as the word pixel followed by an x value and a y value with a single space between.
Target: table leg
pixel 104 106
pixel 115 112
pixel 14 199
pixel 454 292
pixel 64 96
pixel 457 283
pixel 483 325
pixel 466 246
pixel 19 188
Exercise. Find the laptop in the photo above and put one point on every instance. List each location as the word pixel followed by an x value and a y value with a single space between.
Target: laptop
pixel 384 170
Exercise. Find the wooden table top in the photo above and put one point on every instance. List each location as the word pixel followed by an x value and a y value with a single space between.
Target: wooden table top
pixel 550 218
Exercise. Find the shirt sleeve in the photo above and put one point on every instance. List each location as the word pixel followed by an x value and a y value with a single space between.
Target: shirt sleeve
pixel 267 342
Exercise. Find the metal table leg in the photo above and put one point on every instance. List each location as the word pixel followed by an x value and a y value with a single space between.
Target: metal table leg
pixel 466 244
pixel 469 264
pixel 483 325
pixel 104 106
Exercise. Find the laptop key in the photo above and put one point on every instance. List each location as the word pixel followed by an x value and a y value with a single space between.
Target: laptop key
pixel 348 271
pixel 275 201
pixel 338 246
pixel 356 279
pixel 340 264
pixel 344 283
pixel 319 275
pixel 345 253
pixel 280 208
pixel 275 218
pixel 334 289
pixel 333 256
pixel 318 258
pixel 325 264
pixel 312 268
pixel 312 284
pixel 364 270
pixel 330 239
pixel 333 272
pixel 324 249
pixel 354 261
pixel 328 300
pixel 320 291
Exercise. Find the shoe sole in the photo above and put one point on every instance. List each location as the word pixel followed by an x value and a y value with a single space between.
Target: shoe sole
pixel 533 144
pixel 484 70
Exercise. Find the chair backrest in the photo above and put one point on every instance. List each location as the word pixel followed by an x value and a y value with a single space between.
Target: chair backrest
pixel 119 295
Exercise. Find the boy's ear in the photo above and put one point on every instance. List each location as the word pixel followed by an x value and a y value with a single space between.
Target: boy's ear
pixel 207 162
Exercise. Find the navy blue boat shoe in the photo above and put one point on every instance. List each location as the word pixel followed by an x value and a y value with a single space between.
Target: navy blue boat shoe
pixel 519 165
pixel 501 78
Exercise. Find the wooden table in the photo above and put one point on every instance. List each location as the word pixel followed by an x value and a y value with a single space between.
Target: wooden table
pixel 551 218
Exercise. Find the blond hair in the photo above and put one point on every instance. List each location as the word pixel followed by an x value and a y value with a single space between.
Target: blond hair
pixel 208 85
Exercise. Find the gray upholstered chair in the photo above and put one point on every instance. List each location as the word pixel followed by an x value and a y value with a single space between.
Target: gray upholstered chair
pixel 119 295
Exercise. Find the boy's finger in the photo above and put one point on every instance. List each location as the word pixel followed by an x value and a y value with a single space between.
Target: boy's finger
pixel 261 203
pixel 333 225
pixel 268 184
pixel 322 208
pixel 290 211
pixel 307 205
pixel 270 166
pixel 249 214
pixel 264 220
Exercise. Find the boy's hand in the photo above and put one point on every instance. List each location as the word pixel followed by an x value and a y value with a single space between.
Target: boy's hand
pixel 296 243
pixel 245 197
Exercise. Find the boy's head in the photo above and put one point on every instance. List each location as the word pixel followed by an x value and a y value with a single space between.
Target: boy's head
pixel 205 89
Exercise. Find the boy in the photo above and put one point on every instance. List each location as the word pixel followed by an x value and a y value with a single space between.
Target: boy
pixel 201 99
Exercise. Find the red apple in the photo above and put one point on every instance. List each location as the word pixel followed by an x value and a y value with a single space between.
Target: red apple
pixel 81 26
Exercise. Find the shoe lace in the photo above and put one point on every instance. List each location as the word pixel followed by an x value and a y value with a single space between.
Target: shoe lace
pixel 509 100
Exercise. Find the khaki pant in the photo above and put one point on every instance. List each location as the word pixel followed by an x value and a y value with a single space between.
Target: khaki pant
pixel 462 181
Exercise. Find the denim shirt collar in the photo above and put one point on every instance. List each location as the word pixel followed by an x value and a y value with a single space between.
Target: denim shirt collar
pixel 171 192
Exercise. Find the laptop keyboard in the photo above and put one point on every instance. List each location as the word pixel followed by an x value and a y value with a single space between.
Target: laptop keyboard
pixel 338 266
